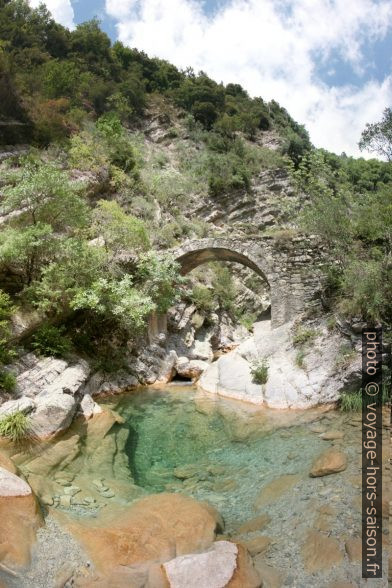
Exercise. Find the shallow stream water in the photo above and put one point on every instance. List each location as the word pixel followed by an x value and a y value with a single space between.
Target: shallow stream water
pixel 179 440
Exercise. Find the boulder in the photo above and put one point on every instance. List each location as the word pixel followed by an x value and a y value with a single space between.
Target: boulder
pixel 329 462
pixel 101 384
pixel 154 529
pixel 88 407
pixel 213 568
pixel 20 519
pixel 63 452
pixel 48 375
pixel 23 404
pixel 53 414
pixel 231 376
pixel 245 575
pixel 190 368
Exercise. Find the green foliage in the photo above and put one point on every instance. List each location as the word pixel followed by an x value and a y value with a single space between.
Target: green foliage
pixel 366 287
pixel 51 341
pixel 119 231
pixel 300 359
pixel 159 277
pixel 350 208
pixel 7 381
pixel 224 287
pixel 351 401
pixel 259 372
pixel 47 202
pixel 6 310
pixel 76 266
pixel 331 323
pixel 247 321
pixel 14 427
pixel 303 336
pixel 345 357
pixel 118 300
pixel 203 298
pixel 377 138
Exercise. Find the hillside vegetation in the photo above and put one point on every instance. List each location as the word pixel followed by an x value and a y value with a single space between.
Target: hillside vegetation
pixel 119 152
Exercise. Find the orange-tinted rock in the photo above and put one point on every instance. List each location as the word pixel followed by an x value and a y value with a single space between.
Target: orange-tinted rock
pixel 20 518
pixel 154 529
pixel 320 552
pixel 255 524
pixel 7 463
pixel 270 578
pixel 329 462
pixel 245 575
pixel 354 549
pixel 275 489
pixel 257 545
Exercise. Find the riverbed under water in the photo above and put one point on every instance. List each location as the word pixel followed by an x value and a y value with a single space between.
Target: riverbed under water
pixel 179 440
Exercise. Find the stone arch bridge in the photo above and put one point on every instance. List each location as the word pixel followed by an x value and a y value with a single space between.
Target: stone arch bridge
pixel 291 266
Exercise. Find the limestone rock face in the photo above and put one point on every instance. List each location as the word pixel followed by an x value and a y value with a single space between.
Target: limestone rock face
pixel 289 385
pixel 88 407
pixel 190 368
pixel 230 376
pixel 157 528
pixel 23 404
pixel 101 384
pixel 20 518
pixel 48 389
pixel 329 462
pixel 46 376
pixel 213 568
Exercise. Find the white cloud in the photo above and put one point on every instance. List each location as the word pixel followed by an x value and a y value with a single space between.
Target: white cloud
pixel 273 48
pixel 61 10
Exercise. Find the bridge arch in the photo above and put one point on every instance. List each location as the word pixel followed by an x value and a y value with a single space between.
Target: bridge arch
pixel 194 253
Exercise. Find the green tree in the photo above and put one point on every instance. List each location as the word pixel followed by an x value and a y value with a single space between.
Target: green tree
pixel 45 203
pixel 377 137
pixel 119 231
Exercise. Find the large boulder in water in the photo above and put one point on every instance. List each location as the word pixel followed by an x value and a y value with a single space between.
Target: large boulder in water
pixel 151 531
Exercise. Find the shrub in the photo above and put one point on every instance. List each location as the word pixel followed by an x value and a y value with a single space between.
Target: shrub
pixel 203 298
pixel 14 427
pixel 345 357
pixel 7 381
pixel 259 372
pixel 299 359
pixel 303 336
pixel 331 323
pixel 51 341
pixel 351 401
pixel 247 321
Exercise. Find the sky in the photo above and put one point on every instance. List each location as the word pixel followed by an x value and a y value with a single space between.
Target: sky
pixel 328 62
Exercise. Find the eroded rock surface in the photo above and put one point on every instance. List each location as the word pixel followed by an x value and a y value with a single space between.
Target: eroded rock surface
pixel 20 518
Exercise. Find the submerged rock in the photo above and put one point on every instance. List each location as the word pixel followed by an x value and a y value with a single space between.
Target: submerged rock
pixel 275 489
pixel 320 552
pixel 329 462
pixel 153 529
